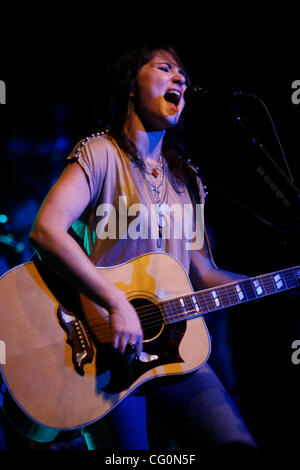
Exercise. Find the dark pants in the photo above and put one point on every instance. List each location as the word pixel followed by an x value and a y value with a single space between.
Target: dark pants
pixel 193 409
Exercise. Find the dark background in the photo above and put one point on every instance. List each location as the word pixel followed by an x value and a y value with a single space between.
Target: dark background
pixel 53 70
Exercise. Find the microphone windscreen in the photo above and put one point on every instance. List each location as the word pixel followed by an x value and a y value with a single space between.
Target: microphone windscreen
pixel 194 91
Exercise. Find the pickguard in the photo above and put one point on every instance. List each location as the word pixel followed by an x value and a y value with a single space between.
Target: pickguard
pixel 126 368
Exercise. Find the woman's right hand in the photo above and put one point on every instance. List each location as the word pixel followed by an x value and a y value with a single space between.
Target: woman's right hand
pixel 125 326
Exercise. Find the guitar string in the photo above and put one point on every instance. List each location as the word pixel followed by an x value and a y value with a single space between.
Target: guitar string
pixel 152 311
pixel 232 295
pixel 176 317
pixel 204 302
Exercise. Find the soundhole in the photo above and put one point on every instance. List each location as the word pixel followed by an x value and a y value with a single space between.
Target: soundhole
pixel 150 317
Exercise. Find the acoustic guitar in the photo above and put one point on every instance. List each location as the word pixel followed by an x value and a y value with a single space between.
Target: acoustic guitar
pixel 59 366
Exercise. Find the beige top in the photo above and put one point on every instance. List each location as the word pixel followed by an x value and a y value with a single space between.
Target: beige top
pixel 120 222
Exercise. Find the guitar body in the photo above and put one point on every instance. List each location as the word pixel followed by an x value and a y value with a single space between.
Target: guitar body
pixel 60 368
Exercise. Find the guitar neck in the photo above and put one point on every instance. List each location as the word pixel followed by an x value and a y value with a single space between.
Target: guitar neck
pixel 217 298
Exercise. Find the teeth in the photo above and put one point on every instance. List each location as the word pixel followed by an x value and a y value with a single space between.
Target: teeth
pixel 173 96
pixel 175 92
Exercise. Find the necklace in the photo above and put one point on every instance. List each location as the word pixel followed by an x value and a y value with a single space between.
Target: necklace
pixel 156 170
pixel 155 191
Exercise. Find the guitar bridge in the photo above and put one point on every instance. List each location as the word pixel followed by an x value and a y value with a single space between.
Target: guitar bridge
pixel 82 349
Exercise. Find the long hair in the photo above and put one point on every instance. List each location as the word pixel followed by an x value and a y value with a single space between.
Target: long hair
pixel 121 80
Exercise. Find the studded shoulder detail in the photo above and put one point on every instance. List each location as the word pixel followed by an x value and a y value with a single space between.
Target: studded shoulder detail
pixel 79 146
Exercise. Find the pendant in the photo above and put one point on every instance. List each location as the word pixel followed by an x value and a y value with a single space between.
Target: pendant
pixel 155 173
pixel 162 208
pixel 161 221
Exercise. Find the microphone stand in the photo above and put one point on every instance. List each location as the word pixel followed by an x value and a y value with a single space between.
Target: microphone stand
pixel 294 192
pixel 291 202
pixel 259 146
pixel 284 232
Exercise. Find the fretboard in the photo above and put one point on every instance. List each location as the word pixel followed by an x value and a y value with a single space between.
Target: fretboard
pixel 208 300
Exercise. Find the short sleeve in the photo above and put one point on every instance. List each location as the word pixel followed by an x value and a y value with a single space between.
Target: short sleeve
pixel 92 155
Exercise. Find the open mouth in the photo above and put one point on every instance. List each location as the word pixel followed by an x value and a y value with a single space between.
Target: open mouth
pixel 173 96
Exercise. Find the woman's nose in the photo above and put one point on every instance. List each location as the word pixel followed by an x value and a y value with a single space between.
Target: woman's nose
pixel 179 78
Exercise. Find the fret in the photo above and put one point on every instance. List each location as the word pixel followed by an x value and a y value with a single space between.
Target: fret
pixel 232 295
pixel 169 306
pixel 194 306
pixel 209 301
pixel 194 300
pixel 224 297
pixel 271 283
pixel 258 287
pixel 291 277
pixel 190 307
pixel 240 292
pixel 202 302
pixel 274 283
pixel 248 289
pixel 279 282
pixel 183 308
pixel 180 309
pixel 216 299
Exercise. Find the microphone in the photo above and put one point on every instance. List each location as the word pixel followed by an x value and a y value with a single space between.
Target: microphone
pixel 194 91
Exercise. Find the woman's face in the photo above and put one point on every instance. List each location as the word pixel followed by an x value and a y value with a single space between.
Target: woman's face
pixel 158 99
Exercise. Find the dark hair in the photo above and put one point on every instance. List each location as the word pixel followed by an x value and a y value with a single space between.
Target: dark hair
pixel 120 82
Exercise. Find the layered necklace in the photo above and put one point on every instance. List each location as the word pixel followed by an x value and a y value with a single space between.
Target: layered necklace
pixel 155 188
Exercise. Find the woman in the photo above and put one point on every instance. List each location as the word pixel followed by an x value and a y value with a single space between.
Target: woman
pixel 138 160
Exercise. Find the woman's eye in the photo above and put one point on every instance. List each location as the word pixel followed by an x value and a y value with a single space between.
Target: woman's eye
pixel 164 68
